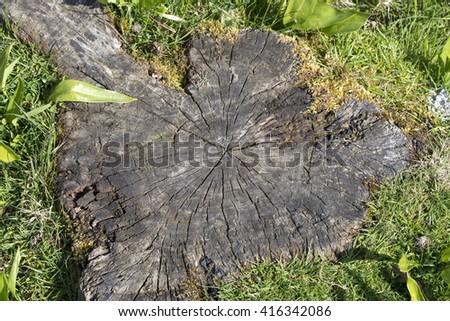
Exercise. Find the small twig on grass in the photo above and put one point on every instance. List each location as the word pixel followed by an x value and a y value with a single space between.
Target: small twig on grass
pixel 162 25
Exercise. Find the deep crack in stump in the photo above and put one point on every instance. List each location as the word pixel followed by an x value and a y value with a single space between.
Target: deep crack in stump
pixel 230 171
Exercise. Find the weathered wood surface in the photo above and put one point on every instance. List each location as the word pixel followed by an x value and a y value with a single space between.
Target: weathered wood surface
pixel 265 179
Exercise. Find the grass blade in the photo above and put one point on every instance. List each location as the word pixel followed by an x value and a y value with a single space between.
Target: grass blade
pixel 7 155
pixel 3 287
pixel 13 109
pixel 13 273
pixel 148 4
pixel 414 289
pixel 444 63
pixel 151 4
pixel 38 110
pixel 445 275
pixel 4 69
pixel 79 91
pixel 8 71
pixel 172 17
pixel 444 57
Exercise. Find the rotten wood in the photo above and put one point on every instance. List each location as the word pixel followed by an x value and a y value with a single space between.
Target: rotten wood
pixel 231 170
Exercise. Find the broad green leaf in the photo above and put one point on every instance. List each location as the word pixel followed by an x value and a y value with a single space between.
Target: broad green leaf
pixel 405 265
pixel 298 11
pixel 325 16
pixel 13 273
pixel 355 21
pixel 5 70
pixel 7 155
pixel 13 109
pixel 444 58
pixel 445 256
pixel 318 14
pixel 3 287
pixel 446 275
pixel 414 289
pixel 79 91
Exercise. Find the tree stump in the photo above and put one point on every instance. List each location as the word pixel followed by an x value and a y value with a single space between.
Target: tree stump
pixel 232 170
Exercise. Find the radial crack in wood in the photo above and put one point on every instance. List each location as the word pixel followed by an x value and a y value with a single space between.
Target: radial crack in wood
pixel 230 171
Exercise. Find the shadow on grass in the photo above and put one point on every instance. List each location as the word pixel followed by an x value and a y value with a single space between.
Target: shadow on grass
pixel 66 281
pixel 387 272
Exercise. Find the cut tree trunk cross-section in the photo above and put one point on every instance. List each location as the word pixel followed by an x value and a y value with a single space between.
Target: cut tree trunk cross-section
pixel 231 170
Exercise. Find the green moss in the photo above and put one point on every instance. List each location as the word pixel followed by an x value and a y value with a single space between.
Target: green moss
pixel 219 31
pixel 170 68
pixel 397 90
pixel 330 85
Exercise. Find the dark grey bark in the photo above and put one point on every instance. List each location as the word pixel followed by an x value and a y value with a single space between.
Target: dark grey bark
pixel 233 170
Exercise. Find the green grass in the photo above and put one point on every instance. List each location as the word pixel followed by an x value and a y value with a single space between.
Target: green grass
pixel 395 61
pixel 29 218
pixel 392 60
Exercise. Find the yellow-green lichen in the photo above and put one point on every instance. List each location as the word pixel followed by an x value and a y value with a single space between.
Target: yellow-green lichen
pixel 170 66
pixel 332 83
pixel 193 288
pixel 169 69
pixel 329 85
pixel 219 31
